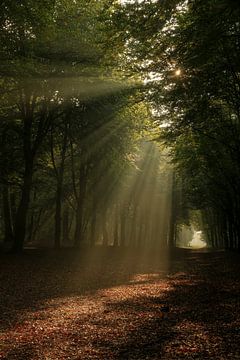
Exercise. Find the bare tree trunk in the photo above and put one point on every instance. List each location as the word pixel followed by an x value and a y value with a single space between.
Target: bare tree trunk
pixel 116 226
pixel 58 217
pixel 13 208
pixel 59 173
pixel 66 225
pixel 172 225
pixel 123 228
pixel 31 144
pixel 93 227
pixel 22 211
pixel 104 228
pixel 7 219
pixel 133 231
pixel 78 236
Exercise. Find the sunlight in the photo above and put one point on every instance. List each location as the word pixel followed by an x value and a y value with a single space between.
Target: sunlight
pixel 119 181
pixel 197 241
pixel 136 220
pixel 147 187
pixel 82 87
pixel 130 1
pixel 146 278
pixel 188 237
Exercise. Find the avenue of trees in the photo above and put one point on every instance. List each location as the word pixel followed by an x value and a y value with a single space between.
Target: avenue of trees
pixel 87 90
pixel 189 50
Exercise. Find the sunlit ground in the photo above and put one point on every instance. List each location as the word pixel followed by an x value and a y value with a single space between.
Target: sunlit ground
pixel 196 238
pixel 93 303
pixel 58 308
pixel 197 242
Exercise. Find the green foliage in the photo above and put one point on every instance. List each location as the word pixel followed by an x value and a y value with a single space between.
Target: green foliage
pixel 190 51
pixel 71 124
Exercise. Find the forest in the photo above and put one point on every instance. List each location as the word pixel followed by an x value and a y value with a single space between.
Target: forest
pixel 119 179
pixel 91 92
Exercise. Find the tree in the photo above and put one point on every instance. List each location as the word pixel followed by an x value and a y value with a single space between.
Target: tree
pixel 188 52
pixel 204 113
pixel 35 66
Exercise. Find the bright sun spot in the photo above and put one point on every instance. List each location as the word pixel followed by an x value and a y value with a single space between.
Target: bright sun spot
pixel 197 241
pixel 178 72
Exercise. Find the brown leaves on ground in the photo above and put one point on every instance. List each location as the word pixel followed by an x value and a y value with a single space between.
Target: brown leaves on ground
pixel 106 304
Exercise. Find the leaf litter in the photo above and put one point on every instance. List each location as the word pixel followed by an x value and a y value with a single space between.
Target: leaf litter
pixel 61 306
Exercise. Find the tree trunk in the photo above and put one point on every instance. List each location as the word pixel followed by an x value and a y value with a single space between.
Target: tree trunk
pixel 31 141
pixel 133 231
pixel 115 235
pixel 172 224
pixel 78 237
pixel 123 228
pixel 8 229
pixel 58 216
pixel 27 103
pixel 22 211
pixel 104 228
pixel 13 204
pixel 66 226
pixel 59 172
pixel 93 227
pixel 30 228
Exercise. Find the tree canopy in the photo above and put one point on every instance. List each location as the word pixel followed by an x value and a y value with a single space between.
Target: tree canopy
pixel 187 52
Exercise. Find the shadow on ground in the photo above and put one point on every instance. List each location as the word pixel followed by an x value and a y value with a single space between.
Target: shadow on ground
pixel 119 300
pixel 28 280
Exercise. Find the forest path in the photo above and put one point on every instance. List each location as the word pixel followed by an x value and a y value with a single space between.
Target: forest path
pixel 106 305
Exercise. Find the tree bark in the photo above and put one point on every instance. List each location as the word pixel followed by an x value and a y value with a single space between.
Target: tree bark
pixel 65 227
pixel 172 224
pixel 93 227
pixel 123 228
pixel 78 236
pixel 58 216
pixel 115 235
pixel 22 211
pixel 59 172
pixel 104 228
pixel 7 219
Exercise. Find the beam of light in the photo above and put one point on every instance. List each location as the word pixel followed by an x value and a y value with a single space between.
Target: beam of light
pixel 85 88
pixel 81 88
pixel 143 196
pixel 148 209
pixel 99 137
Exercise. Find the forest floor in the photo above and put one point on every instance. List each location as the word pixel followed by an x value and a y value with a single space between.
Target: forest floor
pixel 105 304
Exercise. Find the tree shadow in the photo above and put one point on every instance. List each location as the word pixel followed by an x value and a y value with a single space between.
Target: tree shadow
pixel 21 352
pixel 204 321
pixel 204 308
pixel 29 280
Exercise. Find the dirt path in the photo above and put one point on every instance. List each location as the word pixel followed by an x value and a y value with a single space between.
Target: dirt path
pixel 107 306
